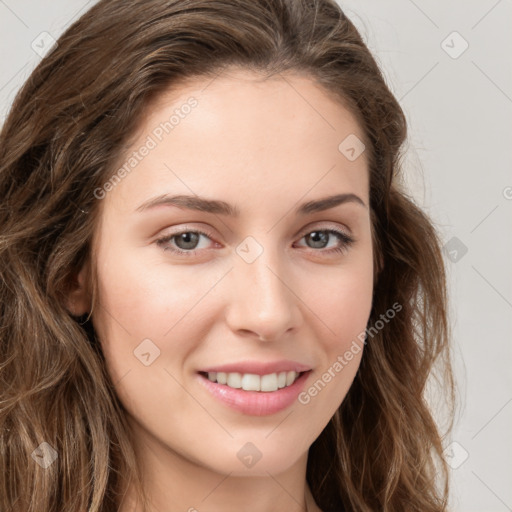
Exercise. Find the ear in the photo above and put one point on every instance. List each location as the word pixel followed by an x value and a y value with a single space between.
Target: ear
pixel 78 297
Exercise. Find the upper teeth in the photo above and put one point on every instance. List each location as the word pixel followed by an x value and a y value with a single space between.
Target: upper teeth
pixel 251 382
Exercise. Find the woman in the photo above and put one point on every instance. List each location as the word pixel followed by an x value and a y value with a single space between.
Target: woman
pixel 215 294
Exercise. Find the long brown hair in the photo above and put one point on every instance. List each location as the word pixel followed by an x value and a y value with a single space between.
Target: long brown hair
pixel 66 131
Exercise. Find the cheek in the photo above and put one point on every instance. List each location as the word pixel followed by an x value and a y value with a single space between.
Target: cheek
pixel 341 302
pixel 147 307
pixel 148 325
pixel 343 312
pixel 148 298
pixel 342 299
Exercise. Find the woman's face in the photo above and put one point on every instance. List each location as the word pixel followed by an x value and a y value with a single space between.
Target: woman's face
pixel 247 275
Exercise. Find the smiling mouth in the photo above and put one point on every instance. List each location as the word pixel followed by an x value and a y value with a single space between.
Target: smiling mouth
pixel 252 382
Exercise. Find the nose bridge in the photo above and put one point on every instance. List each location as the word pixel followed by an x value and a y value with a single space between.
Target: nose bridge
pixel 262 301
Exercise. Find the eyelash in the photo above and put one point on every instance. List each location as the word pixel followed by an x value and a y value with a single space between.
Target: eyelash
pixel 345 239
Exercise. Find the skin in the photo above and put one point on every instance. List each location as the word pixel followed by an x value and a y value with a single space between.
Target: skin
pixel 265 147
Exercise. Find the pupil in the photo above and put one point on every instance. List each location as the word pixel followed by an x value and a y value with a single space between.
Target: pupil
pixel 318 237
pixel 190 239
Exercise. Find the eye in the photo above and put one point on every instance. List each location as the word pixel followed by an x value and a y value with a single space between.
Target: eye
pixel 186 243
pixel 319 238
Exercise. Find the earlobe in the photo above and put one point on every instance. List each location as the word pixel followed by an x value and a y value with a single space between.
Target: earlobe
pixel 78 299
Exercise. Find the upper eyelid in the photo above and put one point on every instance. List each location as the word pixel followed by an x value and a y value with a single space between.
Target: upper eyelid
pixel 318 226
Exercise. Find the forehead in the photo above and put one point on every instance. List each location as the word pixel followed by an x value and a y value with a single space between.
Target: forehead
pixel 293 100
pixel 253 136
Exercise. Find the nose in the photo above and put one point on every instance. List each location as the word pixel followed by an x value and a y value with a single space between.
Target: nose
pixel 263 302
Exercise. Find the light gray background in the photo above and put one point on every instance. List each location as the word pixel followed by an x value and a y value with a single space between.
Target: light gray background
pixel 458 167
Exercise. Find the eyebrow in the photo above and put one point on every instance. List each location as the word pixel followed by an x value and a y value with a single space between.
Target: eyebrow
pixel 222 208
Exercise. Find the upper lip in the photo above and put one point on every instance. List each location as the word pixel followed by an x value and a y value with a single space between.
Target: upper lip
pixel 259 367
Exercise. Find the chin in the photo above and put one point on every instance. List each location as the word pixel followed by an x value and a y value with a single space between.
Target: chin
pixel 258 457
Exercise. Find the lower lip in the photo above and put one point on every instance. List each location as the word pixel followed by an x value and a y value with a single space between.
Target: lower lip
pixel 256 403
